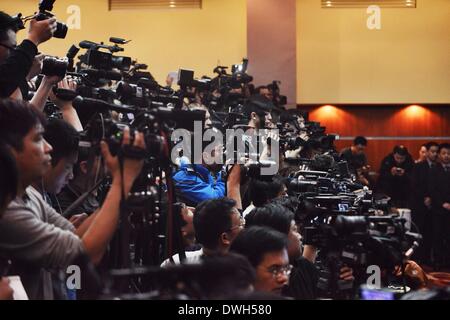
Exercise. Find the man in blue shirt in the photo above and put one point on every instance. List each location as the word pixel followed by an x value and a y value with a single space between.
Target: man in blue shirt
pixel 195 183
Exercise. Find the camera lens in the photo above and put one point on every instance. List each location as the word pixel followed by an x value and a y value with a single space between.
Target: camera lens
pixel 61 30
pixel 54 67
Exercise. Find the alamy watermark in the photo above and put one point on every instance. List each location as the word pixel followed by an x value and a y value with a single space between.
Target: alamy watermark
pixel 73 281
pixel 236 147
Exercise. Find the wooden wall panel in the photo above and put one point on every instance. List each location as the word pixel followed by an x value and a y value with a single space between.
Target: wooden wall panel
pixel 388 125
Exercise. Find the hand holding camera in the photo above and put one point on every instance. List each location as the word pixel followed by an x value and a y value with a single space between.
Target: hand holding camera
pixel 36 67
pixel 41 31
pixel 131 167
pixel 65 92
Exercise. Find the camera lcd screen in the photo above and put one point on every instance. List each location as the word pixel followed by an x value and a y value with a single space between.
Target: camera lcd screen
pixel 368 294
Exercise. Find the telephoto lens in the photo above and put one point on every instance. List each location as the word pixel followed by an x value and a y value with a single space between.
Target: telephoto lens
pixel 52 66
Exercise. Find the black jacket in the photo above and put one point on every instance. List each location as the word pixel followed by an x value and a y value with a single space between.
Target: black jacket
pixel 439 186
pixel 420 182
pixel 303 281
pixel 397 187
pixel 14 70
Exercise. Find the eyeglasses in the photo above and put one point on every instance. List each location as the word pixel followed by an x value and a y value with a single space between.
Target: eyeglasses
pixel 277 271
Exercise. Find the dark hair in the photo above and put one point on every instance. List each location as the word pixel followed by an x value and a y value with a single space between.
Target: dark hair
pixel 224 275
pixel 262 191
pixel 431 144
pixel 63 138
pixel 211 219
pixel 256 241
pixel 258 104
pixel 6 23
pixel 401 150
pixel 258 89
pixel 360 141
pixel 83 155
pixel 322 162
pixel 8 176
pixel 444 146
pixel 17 118
pixel 271 215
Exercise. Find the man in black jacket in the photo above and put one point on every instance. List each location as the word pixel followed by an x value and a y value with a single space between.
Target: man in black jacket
pixel 421 198
pixel 439 185
pixel 16 61
pixel 395 176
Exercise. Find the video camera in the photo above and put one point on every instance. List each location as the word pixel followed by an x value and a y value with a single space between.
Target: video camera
pixel 97 59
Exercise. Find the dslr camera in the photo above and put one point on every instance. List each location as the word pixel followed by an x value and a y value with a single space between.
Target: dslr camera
pixel 45 8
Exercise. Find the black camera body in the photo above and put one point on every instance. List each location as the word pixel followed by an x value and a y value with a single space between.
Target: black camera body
pixel 45 8
pixel 53 66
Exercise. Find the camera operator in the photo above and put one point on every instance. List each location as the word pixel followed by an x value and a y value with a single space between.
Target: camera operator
pixel 356 159
pixel 257 111
pixel 86 172
pixel 16 61
pixel 304 276
pixel 421 199
pixel 264 91
pixel 439 186
pixel 36 237
pixel 262 190
pixel 395 176
pixel 64 140
pixel 198 106
pixel 216 224
pixel 69 113
pixel 267 251
pixel 195 182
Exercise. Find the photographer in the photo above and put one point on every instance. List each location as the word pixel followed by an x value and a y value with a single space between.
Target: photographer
pixel 395 176
pixel 16 61
pixel 64 141
pixel 36 237
pixel 267 251
pixel 304 275
pixel 257 111
pixel 264 91
pixel 216 225
pixel 356 159
pixel 69 113
pixel 263 189
pixel 86 172
pixel 195 182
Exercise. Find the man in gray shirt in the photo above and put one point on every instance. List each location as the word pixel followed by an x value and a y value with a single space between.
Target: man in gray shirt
pixel 32 234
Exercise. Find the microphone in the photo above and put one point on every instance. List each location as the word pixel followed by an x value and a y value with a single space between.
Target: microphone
pixel 85 44
pixel 100 105
pixel 118 40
